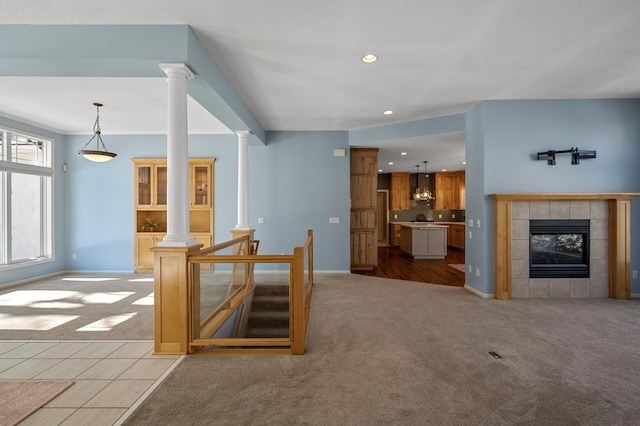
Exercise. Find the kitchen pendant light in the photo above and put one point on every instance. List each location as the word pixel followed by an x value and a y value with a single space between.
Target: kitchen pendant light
pixel 100 154
pixel 426 194
pixel 417 196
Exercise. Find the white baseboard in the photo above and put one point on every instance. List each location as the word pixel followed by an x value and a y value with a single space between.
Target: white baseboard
pixel 28 280
pixel 635 295
pixel 99 271
pixel 479 293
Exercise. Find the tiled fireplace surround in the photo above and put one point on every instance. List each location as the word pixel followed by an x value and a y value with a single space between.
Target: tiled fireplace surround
pixel 596 286
pixel 610 245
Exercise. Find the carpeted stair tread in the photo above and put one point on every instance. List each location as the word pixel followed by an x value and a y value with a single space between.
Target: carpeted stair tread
pixel 271 290
pixel 269 319
pixel 269 315
pixel 270 303
pixel 267 332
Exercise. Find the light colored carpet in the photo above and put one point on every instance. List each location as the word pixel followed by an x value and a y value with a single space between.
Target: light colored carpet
pixel 79 307
pixel 20 398
pixel 383 352
pixel 458 266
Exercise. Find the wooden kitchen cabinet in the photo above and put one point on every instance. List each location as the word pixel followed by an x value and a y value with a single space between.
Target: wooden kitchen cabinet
pixel 450 191
pixel 150 205
pixel 395 234
pixel 400 190
pixel 364 190
pixel 456 235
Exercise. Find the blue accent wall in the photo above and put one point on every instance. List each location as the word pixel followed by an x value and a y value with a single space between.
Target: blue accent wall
pixel 100 202
pixel 478 242
pixel 509 133
pixel 296 183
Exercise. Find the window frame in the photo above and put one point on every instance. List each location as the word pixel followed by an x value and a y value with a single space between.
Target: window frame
pixel 47 209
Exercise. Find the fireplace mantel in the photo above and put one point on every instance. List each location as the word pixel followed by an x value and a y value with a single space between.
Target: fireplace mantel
pixel 619 237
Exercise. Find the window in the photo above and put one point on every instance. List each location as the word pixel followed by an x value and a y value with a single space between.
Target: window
pixel 25 199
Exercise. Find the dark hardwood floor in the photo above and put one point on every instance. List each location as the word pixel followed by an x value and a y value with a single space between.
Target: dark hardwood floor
pixel 393 263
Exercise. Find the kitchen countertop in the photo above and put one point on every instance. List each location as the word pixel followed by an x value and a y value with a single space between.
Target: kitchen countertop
pixel 423 224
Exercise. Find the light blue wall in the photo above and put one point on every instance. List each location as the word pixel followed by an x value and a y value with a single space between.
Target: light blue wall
pixel 296 183
pixel 478 242
pixel 511 132
pixel 59 207
pixel 100 218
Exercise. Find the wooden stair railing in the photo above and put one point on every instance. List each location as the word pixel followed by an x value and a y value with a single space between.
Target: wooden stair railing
pixel 300 292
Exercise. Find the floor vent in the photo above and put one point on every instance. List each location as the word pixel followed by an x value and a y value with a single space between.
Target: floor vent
pixel 496 355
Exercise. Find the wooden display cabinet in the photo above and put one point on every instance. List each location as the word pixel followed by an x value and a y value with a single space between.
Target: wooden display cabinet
pixel 150 205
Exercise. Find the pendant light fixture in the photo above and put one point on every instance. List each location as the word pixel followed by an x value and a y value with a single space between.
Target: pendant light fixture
pixel 417 196
pixel 100 154
pixel 426 194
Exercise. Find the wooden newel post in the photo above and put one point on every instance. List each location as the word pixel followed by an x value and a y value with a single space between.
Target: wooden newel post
pixel 172 299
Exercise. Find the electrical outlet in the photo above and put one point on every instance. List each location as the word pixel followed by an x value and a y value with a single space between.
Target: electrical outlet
pixel 439 216
pixel 395 216
pixel 334 220
pixel 478 223
pixel 73 256
pixel 635 274
pixel 470 268
pixel 453 215
pixel 477 272
pixel 471 235
pixel 470 223
pixel 261 220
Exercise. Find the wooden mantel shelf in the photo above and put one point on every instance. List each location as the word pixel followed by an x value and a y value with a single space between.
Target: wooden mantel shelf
pixel 598 196
pixel 619 237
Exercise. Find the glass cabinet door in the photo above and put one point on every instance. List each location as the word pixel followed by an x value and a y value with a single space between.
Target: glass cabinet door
pixel 144 185
pixel 200 190
pixel 161 185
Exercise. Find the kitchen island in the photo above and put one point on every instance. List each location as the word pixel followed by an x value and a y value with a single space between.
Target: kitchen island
pixel 423 240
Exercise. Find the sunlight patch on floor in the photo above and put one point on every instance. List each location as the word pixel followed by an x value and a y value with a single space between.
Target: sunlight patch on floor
pixel 88 279
pixel 145 301
pixel 107 298
pixel 28 297
pixel 34 322
pixel 107 323
pixel 56 305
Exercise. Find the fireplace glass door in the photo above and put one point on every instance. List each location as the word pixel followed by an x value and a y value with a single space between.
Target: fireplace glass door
pixel 559 249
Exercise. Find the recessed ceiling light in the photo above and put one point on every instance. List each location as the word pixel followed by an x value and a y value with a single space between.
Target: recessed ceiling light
pixel 403 153
pixel 464 162
pixel 444 170
pixel 379 170
pixel 390 163
pixel 388 112
pixel 369 58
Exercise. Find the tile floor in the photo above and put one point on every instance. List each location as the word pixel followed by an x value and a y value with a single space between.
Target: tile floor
pixel 111 377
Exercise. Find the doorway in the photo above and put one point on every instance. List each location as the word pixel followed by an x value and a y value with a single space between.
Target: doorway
pixel 382 217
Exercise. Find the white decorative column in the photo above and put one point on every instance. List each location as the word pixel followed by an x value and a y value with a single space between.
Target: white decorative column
pixel 178 234
pixel 243 181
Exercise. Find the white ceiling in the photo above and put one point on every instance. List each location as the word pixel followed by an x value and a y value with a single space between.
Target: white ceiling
pixel 297 64
pixel 130 105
